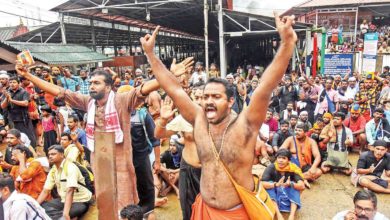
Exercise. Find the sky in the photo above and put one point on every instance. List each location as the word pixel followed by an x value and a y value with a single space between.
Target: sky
pixel 39 9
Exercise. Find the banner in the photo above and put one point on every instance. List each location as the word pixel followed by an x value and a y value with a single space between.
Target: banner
pixel 370 52
pixel 338 64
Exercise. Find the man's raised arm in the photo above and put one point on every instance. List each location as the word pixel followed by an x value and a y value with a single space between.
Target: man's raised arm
pixel 168 81
pixel 40 83
pixel 256 110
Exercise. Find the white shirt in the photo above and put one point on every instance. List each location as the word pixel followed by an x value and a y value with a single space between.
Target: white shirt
pixel 195 78
pixel 22 206
pixel 341 215
pixel 351 92
pixel 264 131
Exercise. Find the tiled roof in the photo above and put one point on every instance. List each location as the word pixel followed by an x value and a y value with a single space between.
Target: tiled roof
pixel 60 54
pixel 7 32
pixel 320 3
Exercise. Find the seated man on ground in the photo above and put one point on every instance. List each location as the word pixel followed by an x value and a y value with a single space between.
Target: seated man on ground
pixel 377 128
pixel 357 123
pixel 338 139
pixel 371 165
pixel 70 183
pixel 283 181
pixel 170 172
pixel 29 174
pixel 365 203
pixel 303 150
pixel 17 205
pixel 281 135
pixel 13 139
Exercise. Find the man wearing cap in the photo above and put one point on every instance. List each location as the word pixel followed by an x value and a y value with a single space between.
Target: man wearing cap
pixel 371 165
pixel 199 75
pixel 352 89
pixel 357 123
pixel 377 128
pixel 283 181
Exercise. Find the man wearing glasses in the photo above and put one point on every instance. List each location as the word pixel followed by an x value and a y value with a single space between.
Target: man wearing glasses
pixel 365 208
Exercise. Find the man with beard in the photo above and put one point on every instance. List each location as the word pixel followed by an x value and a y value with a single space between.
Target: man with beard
pixel 365 203
pixel 352 89
pixel 287 93
pixel 101 104
pixel 293 123
pixel 12 139
pixel 304 150
pixel 81 138
pixel 338 139
pixel 199 75
pixel 280 136
pixel 16 102
pixel 343 100
pixel 272 124
pixel 303 119
pixel 234 153
pixel 377 128
pixel 288 112
pixel 327 100
pixel 337 81
pixel 84 82
pixel 308 97
pixel 29 174
pixel 372 164
pixel 357 124
pixel 362 99
pixel 189 176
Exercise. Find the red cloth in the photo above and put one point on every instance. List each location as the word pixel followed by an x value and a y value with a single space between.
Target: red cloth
pixel 359 124
pixel 273 125
pixel 201 211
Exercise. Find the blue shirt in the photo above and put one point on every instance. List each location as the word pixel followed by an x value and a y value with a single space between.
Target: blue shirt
pixel 70 83
pixel 84 86
pixel 81 136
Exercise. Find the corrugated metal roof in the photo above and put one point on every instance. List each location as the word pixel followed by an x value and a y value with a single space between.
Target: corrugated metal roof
pixel 320 3
pixel 7 32
pixel 60 54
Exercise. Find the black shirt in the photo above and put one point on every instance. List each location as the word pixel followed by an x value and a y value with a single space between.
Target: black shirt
pixel 366 159
pixel 272 175
pixel 168 159
pixel 18 113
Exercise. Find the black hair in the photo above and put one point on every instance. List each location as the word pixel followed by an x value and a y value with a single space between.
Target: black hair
pixel 56 147
pixel 107 76
pixel 270 110
pixel 132 212
pixel 283 153
pixel 65 134
pixel 7 180
pixel 379 110
pixel 366 195
pixel 15 132
pixel 14 78
pixel 339 115
pixel 74 117
pixel 229 90
pixel 24 149
pixel 294 116
pixel 302 126
pixel 284 122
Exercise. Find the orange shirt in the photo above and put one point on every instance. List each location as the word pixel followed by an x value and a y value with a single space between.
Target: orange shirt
pixel 31 180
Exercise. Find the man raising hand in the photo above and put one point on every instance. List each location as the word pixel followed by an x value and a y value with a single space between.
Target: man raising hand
pixel 223 139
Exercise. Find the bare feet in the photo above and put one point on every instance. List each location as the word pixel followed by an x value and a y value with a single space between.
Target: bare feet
pixel 160 202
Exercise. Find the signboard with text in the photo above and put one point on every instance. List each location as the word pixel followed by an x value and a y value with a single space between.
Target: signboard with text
pixel 370 52
pixel 335 64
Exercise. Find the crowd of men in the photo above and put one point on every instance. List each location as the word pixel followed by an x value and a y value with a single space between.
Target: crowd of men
pixel 299 127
